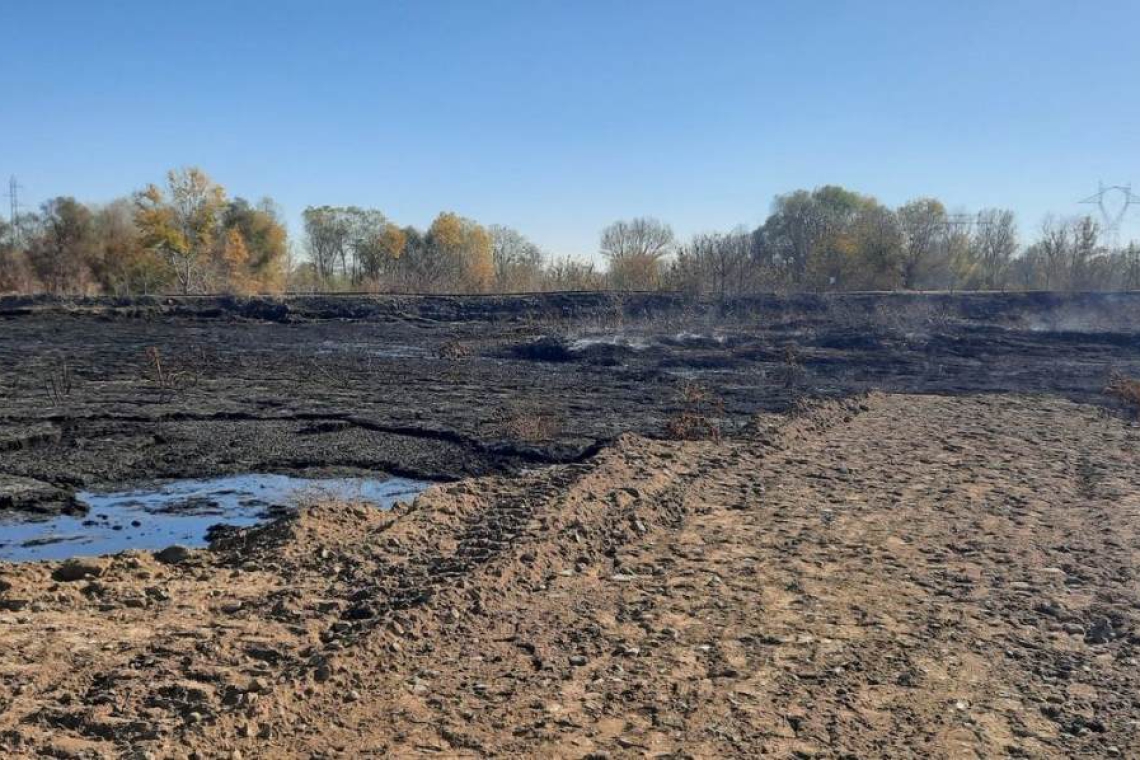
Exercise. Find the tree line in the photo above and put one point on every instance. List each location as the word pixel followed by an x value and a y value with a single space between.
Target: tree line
pixel 351 248
pixel 188 236
pixel 832 238
pixel 185 236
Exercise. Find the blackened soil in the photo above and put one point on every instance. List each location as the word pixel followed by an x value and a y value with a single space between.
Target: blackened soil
pixel 97 394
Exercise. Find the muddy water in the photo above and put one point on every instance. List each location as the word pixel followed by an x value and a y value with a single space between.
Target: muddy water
pixel 181 511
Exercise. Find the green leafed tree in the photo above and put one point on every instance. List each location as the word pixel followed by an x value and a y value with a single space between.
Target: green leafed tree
pixel 812 239
pixel 923 224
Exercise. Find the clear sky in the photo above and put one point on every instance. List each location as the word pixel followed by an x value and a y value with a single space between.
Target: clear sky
pixel 558 117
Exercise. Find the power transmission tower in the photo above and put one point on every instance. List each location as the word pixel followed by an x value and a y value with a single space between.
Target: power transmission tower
pixel 965 222
pixel 957 221
pixel 1112 217
pixel 14 188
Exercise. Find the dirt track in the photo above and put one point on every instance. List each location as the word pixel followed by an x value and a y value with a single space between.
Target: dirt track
pixel 890 576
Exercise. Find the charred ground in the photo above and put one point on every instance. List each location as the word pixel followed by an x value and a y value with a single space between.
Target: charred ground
pixel 99 392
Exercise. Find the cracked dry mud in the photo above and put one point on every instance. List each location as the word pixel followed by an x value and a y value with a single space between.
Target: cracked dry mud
pixel 883 576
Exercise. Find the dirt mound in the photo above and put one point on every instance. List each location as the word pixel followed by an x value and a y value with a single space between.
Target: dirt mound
pixel 881 577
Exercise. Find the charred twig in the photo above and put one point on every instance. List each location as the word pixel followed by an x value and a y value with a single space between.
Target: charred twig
pixel 792 368
pixel 60 384
pixel 167 380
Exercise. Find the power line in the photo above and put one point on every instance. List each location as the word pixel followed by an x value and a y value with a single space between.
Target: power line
pixel 13 195
pixel 1113 217
pixel 965 221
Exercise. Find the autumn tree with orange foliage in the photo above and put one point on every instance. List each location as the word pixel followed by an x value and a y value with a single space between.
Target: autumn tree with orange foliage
pixel 463 247
pixel 264 252
pixel 181 223
pixel 207 242
pixel 235 262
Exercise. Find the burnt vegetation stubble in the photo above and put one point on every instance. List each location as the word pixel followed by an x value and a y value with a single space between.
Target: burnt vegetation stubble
pixel 449 387
pixel 1125 390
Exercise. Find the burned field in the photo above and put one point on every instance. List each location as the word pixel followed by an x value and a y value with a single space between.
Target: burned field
pixel 850 526
pixel 106 394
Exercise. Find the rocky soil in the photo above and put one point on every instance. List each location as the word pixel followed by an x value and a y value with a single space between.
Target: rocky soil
pixel 886 576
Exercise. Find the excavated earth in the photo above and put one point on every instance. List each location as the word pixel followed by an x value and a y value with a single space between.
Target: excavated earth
pixel 916 535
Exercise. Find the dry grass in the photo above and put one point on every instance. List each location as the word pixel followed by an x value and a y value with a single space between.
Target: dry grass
pixel 1125 390
pixel 454 349
pixel 698 417
pixel 172 374
pixel 791 372
pixel 168 380
pixel 530 425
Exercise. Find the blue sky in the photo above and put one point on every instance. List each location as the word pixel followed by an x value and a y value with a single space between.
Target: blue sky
pixel 559 117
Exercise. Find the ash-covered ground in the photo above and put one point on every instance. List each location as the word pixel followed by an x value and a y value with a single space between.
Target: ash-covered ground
pixel 98 393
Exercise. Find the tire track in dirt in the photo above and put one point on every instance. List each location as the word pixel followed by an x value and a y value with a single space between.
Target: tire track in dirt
pixel 893 576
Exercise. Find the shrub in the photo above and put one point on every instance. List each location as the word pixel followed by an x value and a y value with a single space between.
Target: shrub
pixel 1124 389
pixel 697 419
pixel 454 349
pixel 529 425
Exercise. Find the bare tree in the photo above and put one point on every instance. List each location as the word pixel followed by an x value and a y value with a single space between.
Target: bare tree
pixel 635 249
pixel 518 261
pixel 327 234
pixel 923 222
pixel 1086 249
pixel 716 264
pixel 1053 251
pixel 995 244
pixel 569 274
pixel 1130 265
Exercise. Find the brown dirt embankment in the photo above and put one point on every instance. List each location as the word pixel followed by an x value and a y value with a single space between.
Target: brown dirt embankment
pixel 889 576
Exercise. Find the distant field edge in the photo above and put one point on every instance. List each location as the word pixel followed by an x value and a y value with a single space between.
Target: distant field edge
pixel 1034 309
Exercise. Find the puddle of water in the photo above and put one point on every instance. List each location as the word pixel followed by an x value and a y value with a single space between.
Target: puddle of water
pixel 180 512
